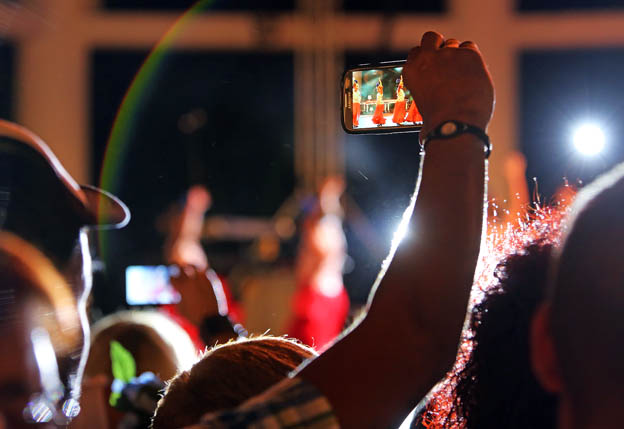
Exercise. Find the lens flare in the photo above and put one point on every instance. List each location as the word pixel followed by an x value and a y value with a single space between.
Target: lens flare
pixel 121 134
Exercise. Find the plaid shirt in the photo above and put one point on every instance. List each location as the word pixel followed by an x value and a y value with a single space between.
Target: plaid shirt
pixel 290 404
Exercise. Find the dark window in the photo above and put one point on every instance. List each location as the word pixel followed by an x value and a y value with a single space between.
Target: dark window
pixel 560 90
pixel 395 7
pixel 558 5
pixel 7 80
pixel 205 6
pixel 399 6
pixel 224 120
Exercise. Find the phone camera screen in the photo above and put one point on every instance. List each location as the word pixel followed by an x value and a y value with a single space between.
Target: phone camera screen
pixel 149 285
pixel 377 99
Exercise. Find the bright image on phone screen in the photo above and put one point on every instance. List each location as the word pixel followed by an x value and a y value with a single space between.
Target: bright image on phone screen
pixel 377 98
pixel 149 285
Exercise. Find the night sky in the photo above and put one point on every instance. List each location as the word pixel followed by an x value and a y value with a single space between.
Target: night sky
pixel 7 56
pixel 562 5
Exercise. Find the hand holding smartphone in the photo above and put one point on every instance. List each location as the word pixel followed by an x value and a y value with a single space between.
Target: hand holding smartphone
pixel 451 83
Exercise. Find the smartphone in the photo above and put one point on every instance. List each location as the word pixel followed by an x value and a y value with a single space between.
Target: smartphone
pixel 150 285
pixel 375 100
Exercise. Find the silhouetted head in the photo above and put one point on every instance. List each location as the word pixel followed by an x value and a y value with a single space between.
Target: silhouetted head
pixel 156 343
pixel 578 332
pixel 226 376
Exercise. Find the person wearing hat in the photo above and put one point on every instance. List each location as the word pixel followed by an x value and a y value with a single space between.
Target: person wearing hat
pixel 42 204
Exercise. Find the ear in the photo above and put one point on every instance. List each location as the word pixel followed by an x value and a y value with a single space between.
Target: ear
pixel 543 356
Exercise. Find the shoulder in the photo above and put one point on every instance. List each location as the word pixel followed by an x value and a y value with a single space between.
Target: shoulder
pixel 290 403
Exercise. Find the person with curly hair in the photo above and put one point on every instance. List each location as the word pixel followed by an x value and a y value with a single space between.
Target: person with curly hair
pixel 492 384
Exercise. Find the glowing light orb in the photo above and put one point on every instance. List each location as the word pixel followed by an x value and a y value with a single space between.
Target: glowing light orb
pixel 589 139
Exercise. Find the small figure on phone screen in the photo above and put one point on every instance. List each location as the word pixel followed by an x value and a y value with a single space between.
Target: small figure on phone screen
pixel 357 98
pixel 399 107
pixel 413 115
pixel 378 117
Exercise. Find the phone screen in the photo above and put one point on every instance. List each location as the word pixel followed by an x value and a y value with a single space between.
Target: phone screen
pixel 149 285
pixel 376 100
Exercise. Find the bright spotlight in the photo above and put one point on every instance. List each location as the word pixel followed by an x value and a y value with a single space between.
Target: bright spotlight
pixel 589 139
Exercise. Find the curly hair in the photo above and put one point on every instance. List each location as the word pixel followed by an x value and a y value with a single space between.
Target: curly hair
pixel 491 384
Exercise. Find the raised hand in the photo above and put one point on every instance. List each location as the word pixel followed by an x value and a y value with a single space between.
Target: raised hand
pixel 201 293
pixel 449 81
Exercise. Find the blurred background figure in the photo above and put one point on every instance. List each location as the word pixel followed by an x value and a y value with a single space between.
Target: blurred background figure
pixel 39 328
pixel 207 309
pixel 517 189
pixel 158 347
pixel 521 207
pixel 183 246
pixel 320 303
pixel 226 376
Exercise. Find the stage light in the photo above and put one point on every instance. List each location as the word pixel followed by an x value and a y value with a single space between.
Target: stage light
pixel 589 139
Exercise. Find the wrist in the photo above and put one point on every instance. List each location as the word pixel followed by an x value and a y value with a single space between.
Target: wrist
pixel 475 121
pixel 222 327
pixel 200 317
pixel 477 116
pixel 453 129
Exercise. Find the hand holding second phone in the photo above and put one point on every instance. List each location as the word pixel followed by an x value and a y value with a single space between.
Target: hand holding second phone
pixel 199 296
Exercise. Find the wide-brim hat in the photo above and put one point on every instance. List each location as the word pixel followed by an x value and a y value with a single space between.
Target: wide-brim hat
pixel 30 173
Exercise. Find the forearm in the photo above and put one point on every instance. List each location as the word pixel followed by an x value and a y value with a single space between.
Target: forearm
pixel 432 271
pixel 410 335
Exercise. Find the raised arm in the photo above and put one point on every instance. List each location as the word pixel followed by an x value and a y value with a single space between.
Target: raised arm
pixel 377 373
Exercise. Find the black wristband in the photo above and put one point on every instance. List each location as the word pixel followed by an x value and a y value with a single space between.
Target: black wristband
pixel 450 129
